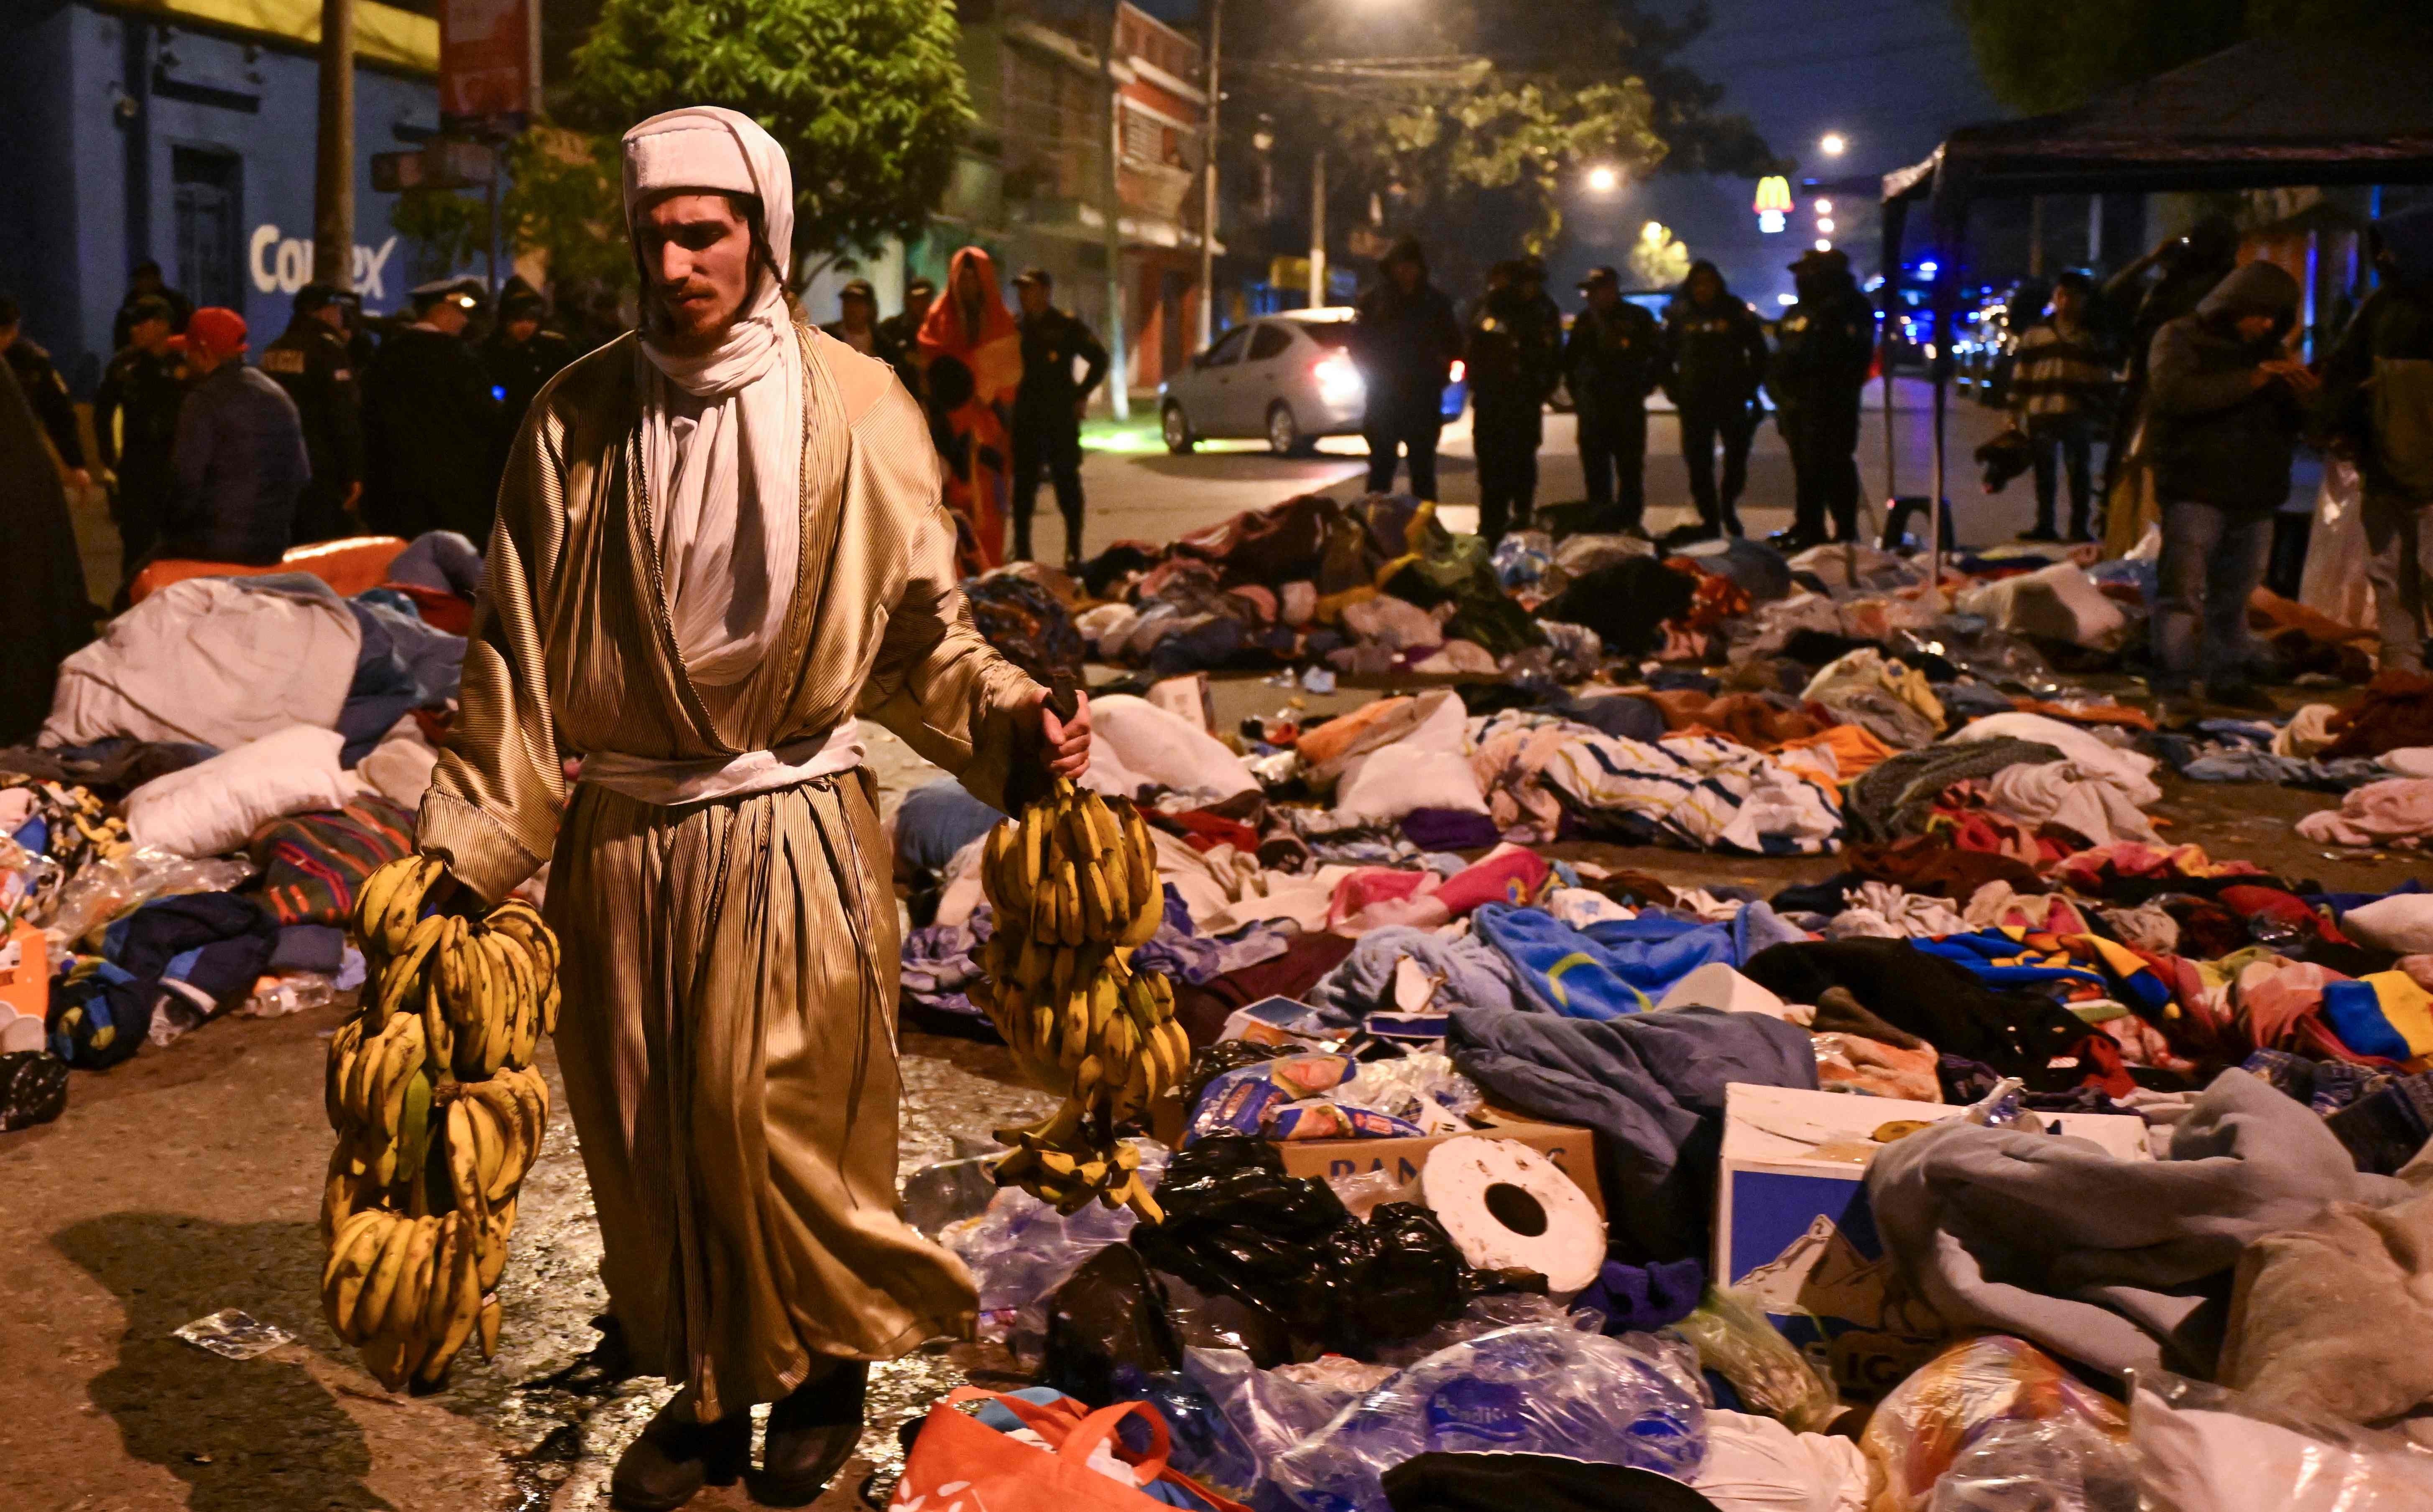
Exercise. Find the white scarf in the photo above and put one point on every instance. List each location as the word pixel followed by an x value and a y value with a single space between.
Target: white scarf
pixel 722 432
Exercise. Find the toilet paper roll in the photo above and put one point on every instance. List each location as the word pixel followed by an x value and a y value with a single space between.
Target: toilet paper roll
pixel 1505 1205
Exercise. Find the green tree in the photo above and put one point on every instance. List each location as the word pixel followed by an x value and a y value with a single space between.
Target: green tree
pixel 2060 53
pixel 1453 112
pixel 866 96
pixel 562 197
pixel 1659 259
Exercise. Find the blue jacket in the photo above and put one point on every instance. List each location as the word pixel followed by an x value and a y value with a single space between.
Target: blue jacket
pixel 240 465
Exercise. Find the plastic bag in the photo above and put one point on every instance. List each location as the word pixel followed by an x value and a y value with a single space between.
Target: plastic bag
pixel 1268 1413
pixel 1486 1315
pixel 1956 1399
pixel 1021 1249
pixel 2052 1465
pixel 1108 1317
pixel 107 889
pixel 2203 1449
pixel 1734 1340
pixel 1422 1088
pixel 27 883
pixel 1543 1389
pixel 33 1089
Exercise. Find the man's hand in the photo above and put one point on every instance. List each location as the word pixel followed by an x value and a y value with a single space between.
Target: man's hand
pixel 2301 379
pixel 78 478
pixel 1065 747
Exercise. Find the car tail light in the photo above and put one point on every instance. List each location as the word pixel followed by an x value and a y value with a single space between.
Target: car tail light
pixel 1460 371
pixel 1338 376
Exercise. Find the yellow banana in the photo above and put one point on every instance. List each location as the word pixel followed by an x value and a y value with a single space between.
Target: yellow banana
pixel 464 1169
pixel 489 1328
pixel 371 1303
pixel 494 1244
pixel 403 1315
pixel 343 1047
pixel 351 1253
pixel 506 1118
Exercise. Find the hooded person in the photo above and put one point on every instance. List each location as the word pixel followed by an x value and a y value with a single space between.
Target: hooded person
pixel 2378 394
pixel 971 353
pixel 1824 347
pixel 1405 337
pixel 2190 266
pixel 2224 405
pixel 718 542
pixel 1515 356
pixel 1718 351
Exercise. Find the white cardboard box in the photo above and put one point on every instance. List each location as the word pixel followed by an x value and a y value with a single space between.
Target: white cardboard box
pixel 1793 1229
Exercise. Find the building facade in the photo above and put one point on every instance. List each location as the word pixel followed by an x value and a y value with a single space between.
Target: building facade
pixel 182 132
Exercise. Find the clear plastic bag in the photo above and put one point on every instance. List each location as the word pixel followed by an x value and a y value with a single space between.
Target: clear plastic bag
pixel 291 993
pixel 1734 1339
pixel 2051 1465
pixel 2203 1449
pixel 1485 1315
pixel 1420 1088
pixel 1935 1419
pixel 107 889
pixel 1268 1413
pixel 1021 1249
pixel 1541 1388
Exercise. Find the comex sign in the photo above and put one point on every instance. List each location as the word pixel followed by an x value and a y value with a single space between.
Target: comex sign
pixel 282 265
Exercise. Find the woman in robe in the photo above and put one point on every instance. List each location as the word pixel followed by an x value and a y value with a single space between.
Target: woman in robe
pixel 974 355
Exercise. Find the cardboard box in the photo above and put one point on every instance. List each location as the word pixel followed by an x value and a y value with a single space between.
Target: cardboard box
pixel 25 989
pixel 1571 1149
pixel 1795 1231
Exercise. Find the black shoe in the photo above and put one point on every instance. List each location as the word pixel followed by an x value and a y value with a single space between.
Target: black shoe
pixel 1732 526
pixel 676 1457
pixel 2040 533
pixel 1680 535
pixel 811 1433
pixel 2242 698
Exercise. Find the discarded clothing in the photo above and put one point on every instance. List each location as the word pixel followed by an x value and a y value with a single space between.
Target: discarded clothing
pixel 1467 973
pixel 2398 812
pixel 1622 966
pixel 2100 804
pixel 2098 1257
pixel 312 863
pixel 1896 797
pixel 2395 709
pixel 1651 1085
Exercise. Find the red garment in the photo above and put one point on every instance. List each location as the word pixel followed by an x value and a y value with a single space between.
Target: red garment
pixel 1204 831
pixel 974 426
pixel 1514 877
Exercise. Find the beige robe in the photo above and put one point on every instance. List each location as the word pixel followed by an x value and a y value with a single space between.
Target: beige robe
pixel 729 1034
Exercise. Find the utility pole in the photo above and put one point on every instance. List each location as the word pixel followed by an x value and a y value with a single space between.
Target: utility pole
pixel 1208 141
pixel 334 166
pixel 1318 230
pixel 1119 371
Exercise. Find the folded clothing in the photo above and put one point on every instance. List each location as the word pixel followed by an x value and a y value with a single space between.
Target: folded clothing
pixel 312 864
pixel 211 808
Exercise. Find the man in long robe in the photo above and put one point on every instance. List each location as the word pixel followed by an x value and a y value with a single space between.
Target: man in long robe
pixel 973 354
pixel 719 541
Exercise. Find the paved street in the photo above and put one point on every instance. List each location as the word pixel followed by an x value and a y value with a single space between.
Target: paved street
pixel 1138 490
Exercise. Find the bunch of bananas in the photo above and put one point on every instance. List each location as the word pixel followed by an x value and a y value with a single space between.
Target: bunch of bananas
pixel 439 1115
pixel 1075 889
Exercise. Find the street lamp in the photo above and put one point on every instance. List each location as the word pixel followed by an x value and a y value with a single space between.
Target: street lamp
pixel 1604 179
pixel 1833 144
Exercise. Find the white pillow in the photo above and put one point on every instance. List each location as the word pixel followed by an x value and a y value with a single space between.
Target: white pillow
pixel 1134 742
pixel 2402 922
pixel 211 808
pixel 1428 768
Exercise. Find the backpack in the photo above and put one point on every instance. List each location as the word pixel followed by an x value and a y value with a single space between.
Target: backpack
pixel 2400 415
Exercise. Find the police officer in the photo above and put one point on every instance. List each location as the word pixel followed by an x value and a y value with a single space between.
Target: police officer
pixel 135 425
pixel 1047 409
pixel 430 423
pixel 1614 358
pixel 45 390
pixel 857 324
pixel 1516 347
pixel 522 356
pixel 902 331
pixel 1824 347
pixel 313 363
pixel 1718 355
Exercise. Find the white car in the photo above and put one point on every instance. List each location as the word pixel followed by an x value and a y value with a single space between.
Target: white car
pixel 1287 379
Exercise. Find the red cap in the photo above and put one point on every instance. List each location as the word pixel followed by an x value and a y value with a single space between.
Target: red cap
pixel 216 331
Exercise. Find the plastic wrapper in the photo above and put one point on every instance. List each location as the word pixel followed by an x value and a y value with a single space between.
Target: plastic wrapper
pixel 1021 1249
pixel 1929 1422
pixel 1524 562
pixel 944 1193
pixel 1678 1358
pixel 233 1335
pixel 1268 1413
pixel 1243 1101
pixel 1486 1315
pixel 1209 1062
pixel 1734 1340
pixel 107 889
pixel 27 883
pixel 1422 1088
pixel 1202 1443
pixel 1321 1119
pixel 2062 1464
pixel 1542 1389
pixel 33 1089
pixel 289 992
pixel 1988 656
pixel 2203 1449
pixel 1363 1192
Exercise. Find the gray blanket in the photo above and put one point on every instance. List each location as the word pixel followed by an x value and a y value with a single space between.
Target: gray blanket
pixel 1651 1085
pixel 2121 1265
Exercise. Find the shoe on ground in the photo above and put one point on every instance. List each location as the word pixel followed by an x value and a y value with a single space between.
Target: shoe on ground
pixel 1732 526
pixel 676 1457
pixel 1680 535
pixel 1791 543
pixel 2242 698
pixel 811 1433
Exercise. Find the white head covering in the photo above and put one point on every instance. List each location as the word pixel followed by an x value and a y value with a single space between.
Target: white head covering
pixel 722 432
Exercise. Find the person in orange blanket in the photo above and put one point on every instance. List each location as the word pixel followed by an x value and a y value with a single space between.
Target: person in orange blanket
pixel 973 353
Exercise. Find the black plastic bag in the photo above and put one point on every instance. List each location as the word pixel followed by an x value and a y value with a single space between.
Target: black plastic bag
pixel 33 1089
pixel 1109 1315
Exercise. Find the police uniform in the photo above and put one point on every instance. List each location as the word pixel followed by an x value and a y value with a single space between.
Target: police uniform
pixel 518 369
pixel 141 391
pixel 1614 361
pixel 1047 429
pixel 313 364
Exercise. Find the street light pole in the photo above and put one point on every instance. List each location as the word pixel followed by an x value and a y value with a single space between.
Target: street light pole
pixel 334 166
pixel 1208 141
pixel 1318 230
pixel 1119 372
